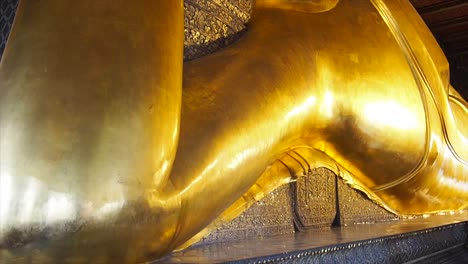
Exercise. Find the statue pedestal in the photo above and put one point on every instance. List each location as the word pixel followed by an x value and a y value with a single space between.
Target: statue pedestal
pixel 425 239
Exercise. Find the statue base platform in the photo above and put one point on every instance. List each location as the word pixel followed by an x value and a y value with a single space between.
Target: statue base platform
pixel 431 239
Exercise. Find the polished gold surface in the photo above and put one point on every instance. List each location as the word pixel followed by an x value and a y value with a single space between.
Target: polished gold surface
pixel 95 167
pixel 90 97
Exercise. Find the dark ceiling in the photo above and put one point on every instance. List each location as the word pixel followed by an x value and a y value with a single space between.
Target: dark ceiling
pixel 448 21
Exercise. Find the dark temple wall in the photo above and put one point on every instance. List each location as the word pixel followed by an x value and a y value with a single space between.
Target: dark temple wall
pixel 459 74
pixel 7 14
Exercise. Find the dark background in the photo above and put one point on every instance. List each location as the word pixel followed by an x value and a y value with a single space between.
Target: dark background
pixel 448 21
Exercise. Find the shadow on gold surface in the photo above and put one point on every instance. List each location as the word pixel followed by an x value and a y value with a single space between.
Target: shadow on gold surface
pixel 105 157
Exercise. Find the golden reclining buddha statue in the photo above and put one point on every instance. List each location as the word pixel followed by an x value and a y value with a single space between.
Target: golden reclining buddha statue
pixel 113 148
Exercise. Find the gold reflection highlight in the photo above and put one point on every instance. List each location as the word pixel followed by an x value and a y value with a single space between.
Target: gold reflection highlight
pixel 112 150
